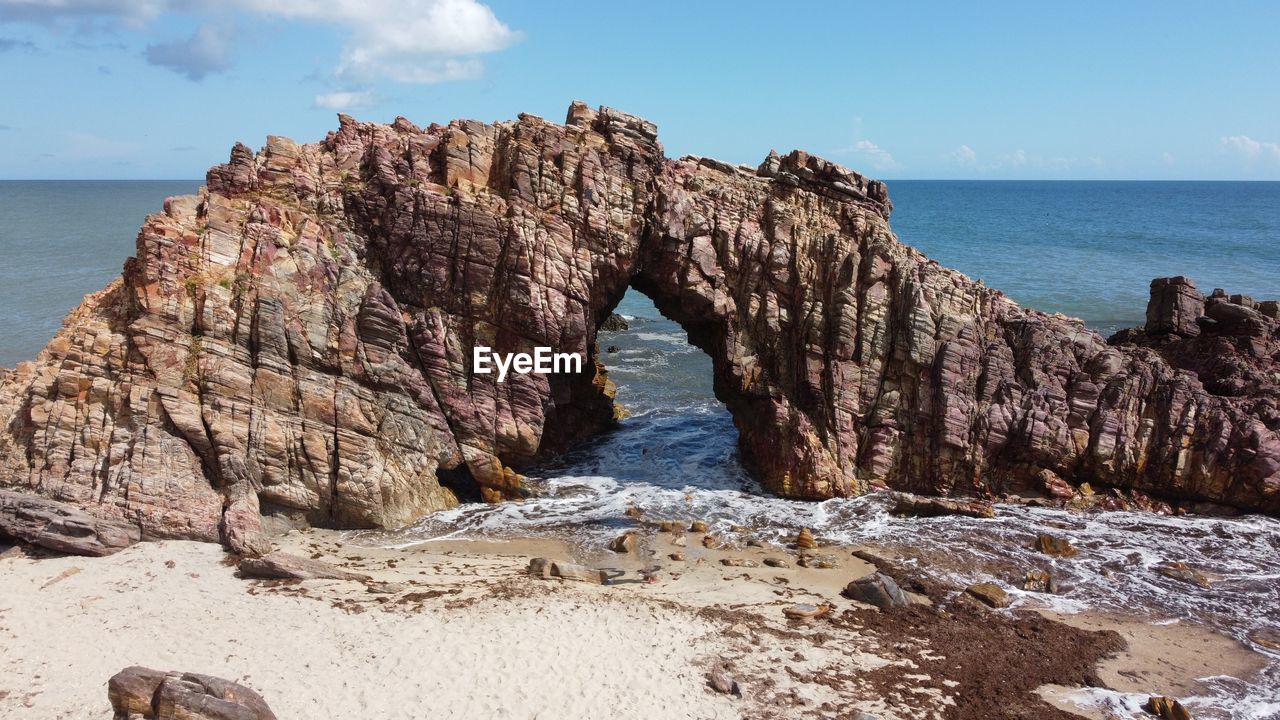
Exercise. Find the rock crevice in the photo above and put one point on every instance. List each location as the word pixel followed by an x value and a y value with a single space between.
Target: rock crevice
pixel 293 345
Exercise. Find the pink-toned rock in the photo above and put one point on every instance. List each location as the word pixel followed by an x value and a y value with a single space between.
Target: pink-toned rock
pixel 61 527
pixel 1174 308
pixel 918 506
pixel 295 340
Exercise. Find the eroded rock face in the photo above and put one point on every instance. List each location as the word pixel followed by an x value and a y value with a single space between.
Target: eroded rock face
pixel 850 360
pixel 295 342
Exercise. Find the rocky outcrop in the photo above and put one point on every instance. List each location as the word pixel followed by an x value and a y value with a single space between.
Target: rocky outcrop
pixel 139 692
pixel 284 566
pixel 851 361
pixel 293 346
pixel 60 527
pixel 295 342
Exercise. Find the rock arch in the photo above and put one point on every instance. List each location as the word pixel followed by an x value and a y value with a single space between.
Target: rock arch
pixel 293 343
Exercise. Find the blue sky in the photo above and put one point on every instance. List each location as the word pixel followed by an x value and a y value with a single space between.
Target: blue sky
pixel 1123 90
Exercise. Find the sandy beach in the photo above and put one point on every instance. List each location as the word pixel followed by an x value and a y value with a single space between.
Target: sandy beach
pixel 461 630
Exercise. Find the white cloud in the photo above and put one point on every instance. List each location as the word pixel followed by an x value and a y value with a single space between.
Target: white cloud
pixel 344 100
pixel 964 156
pixel 407 41
pixel 878 157
pixel 208 50
pixel 1252 149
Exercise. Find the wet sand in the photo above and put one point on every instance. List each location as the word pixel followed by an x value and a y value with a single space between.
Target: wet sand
pixel 463 631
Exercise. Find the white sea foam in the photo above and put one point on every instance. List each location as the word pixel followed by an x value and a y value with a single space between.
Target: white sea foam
pixel 676 457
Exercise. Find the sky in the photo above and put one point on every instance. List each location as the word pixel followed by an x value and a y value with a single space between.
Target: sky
pixel 1016 90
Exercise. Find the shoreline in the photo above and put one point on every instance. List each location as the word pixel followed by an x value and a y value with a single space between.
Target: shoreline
pixel 455 626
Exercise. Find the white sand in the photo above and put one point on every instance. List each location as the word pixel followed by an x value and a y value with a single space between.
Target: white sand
pixel 563 655
pixel 470 635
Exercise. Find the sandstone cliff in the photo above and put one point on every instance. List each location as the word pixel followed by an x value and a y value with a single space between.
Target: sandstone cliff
pixel 295 342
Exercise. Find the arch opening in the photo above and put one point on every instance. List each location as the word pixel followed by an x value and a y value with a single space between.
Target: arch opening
pixel 675 432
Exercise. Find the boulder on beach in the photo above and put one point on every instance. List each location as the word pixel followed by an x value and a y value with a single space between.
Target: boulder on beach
pixel 624 543
pixel 877 589
pixel 989 594
pixel 285 566
pixel 547 569
pixel 140 692
pixel 61 527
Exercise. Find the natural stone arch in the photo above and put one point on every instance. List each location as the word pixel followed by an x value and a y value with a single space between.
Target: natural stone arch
pixel 294 342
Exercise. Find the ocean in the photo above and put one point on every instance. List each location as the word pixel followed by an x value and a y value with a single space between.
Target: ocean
pixel 1088 249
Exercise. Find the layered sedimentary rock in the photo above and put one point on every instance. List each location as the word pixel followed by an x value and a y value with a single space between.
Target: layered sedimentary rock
pixel 850 360
pixel 295 342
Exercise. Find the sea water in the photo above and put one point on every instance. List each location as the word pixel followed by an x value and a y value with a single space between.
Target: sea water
pixel 1088 249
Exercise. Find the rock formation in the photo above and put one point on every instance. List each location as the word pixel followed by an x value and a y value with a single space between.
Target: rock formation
pixel 58 526
pixel 139 692
pixel 294 343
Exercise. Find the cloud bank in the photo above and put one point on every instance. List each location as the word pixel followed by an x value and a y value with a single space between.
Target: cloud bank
pixel 1252 149
pixel 207 51
pixel 404 41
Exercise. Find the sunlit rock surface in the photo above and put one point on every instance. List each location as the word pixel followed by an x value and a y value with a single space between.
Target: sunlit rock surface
pixel 295 342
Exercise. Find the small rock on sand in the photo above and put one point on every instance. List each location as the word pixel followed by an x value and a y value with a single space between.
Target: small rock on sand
pixel 877 589
pixel 776 562
pixel 385 588
pixel 723 682
pixel 739 562
pixel 283 566
pixel 624 543
pixel 698 526
pixel 547 569
pixel 806 611
pixel 990 594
